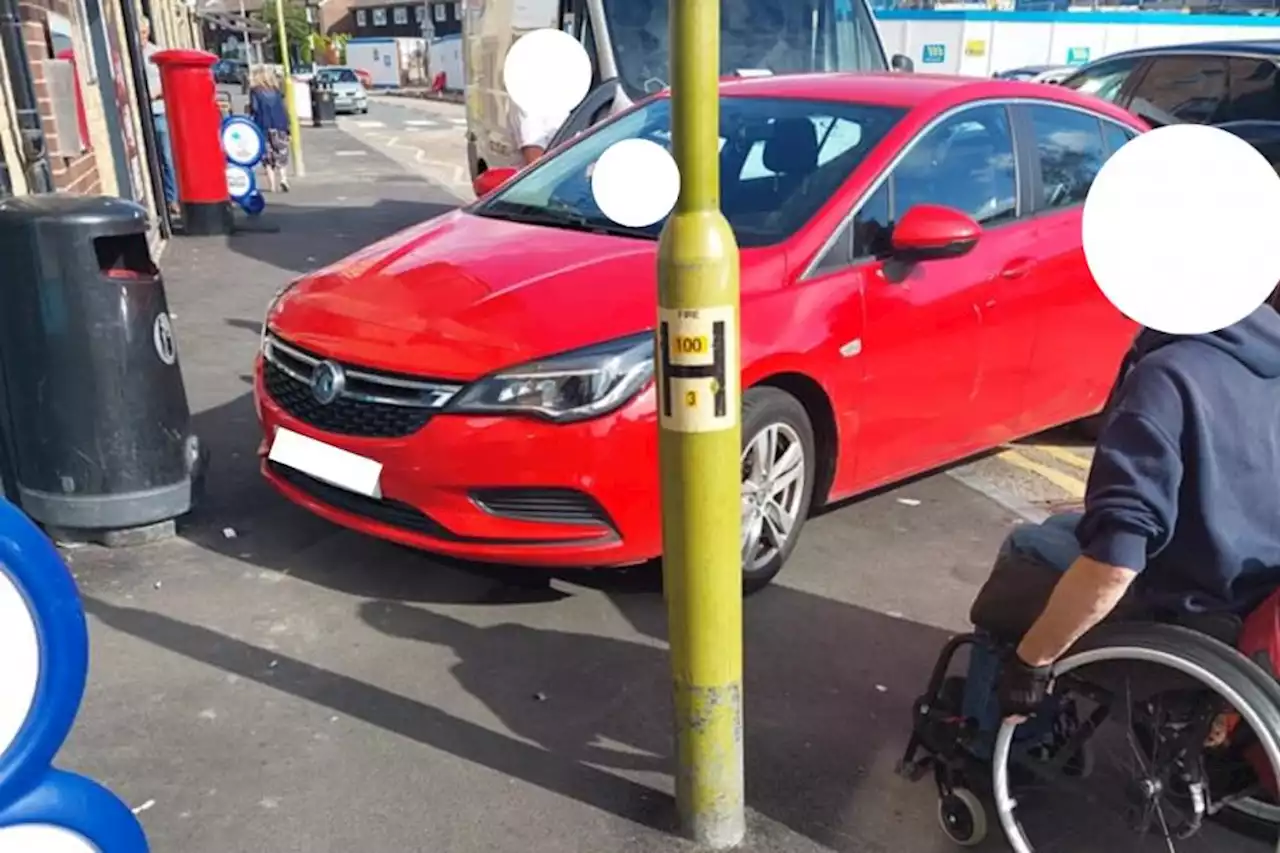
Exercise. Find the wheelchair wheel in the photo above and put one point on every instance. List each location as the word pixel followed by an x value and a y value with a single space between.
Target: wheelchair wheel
pixel 1146 699
pixel 963 817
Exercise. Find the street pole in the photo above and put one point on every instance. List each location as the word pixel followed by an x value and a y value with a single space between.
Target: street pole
pixel 700 445
pixel 295 132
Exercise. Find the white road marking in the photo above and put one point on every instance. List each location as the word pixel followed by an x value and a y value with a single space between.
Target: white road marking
pixel 350 153
pixel 459 121
pixel 420 122
pixel 367 124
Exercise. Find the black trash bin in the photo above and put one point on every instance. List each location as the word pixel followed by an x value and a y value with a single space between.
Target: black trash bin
pixel 93 410
pixel 323 110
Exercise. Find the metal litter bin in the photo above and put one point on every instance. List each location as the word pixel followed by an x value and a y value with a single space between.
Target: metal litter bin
pixel 323 110
pixel 94 411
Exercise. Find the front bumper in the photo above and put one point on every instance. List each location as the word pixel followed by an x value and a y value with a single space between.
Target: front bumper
pixel 496 489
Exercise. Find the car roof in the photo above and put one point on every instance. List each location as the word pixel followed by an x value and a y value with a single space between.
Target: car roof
pixel 910 91
pixel 1250 47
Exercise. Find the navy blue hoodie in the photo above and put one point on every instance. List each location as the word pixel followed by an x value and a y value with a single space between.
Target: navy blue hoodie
pixel 1185 483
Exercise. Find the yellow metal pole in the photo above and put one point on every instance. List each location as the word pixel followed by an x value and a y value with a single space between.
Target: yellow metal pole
pixel 700 445
pixel 295 132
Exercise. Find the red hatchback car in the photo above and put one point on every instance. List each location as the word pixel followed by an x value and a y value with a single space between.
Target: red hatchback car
pixel 914 291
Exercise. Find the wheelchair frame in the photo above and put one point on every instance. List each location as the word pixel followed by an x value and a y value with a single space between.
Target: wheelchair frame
pixel 947 739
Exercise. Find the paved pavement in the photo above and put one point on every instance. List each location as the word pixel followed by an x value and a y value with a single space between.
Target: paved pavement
pixel 269 682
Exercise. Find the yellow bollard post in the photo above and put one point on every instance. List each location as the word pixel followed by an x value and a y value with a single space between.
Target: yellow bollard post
pixel 295 132
pixel 700 445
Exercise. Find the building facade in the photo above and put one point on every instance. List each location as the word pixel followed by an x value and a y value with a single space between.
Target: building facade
pixel 79 60
pixel 383 19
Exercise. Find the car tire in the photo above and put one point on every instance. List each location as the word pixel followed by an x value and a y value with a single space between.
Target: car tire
pixel 768 410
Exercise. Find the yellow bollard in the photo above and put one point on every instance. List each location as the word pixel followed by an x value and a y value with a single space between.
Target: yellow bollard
pixel 700 445
pixel 295 132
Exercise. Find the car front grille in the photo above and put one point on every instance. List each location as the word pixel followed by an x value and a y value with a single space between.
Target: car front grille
pixel 550 505
pixel 371 404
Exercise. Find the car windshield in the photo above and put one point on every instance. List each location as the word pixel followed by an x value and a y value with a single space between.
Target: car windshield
pixel 344 75
pixel 782 36
pixel 780 161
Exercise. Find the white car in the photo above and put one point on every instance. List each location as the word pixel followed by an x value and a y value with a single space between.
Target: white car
pixel 349 95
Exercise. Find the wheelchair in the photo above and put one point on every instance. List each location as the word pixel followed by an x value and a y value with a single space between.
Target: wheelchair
pixel 1190 724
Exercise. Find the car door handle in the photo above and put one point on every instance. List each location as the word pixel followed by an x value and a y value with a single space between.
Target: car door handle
pixel 1018 268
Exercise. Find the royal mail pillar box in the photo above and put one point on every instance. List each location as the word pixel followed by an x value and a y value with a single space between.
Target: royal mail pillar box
pixel 195 121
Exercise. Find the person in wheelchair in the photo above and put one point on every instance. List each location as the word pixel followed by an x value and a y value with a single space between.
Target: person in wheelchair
pixel 1181 518
pixel 1181 525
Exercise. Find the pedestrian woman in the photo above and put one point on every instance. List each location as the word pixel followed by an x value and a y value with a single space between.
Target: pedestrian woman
pixel 268 111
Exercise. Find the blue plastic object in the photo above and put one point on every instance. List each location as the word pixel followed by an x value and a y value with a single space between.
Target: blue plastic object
pixel 31 790
pixel 254 204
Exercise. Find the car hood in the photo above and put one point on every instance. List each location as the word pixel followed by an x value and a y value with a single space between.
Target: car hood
pixel 348 88
pixel 464 295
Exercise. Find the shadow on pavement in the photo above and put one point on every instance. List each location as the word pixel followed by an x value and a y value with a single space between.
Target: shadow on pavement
pixel 311 236
pixel 826 686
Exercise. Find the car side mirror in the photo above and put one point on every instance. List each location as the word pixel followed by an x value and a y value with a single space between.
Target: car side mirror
pixel 902 64
pixel 932 232
pixel 490 179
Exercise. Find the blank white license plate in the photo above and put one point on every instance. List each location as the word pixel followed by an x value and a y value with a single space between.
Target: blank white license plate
pixel 325 462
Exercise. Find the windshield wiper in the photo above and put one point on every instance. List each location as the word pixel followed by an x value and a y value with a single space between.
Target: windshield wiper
pixel 559 217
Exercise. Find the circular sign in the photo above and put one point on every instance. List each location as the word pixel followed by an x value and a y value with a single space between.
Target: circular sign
pixel 240 182
pixel 242 142
pixel 162 335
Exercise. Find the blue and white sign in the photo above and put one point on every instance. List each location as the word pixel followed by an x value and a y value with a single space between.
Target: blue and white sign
pixel 43 668
pixel 240 183
pixel 242 141
pixel 934 53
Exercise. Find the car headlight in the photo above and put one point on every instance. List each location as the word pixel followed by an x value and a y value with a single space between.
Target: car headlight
pixel 573 386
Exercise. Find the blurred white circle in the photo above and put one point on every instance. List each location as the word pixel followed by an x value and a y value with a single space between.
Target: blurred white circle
pixel 1179 229
pixel 547 73
pixel 635 182
pixel 43 838
pixel 19 662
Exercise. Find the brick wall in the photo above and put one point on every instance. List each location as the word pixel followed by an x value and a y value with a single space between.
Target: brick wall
pixel 77 174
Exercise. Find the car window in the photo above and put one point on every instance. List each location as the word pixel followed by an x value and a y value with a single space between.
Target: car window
pixel 872 225
pixel 1104 80
pixel 1254 91
pixel 1182 90
pixel 344 76
pixel 835 137
pixel 1071 151
pixel 966 163
pixel 1116 136
pixel 808 149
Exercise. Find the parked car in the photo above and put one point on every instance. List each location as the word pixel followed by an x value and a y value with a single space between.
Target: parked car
pixel 349 94
pixel 231 71
pixel 1037 73
pixel 914 291
pixel 1232 85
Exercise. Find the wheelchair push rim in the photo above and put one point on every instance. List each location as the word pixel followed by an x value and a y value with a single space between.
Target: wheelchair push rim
pixel 1005 790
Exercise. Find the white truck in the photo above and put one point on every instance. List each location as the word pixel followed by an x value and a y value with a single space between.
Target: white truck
pixel 627 43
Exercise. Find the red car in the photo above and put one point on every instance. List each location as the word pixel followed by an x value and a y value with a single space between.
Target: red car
pixel 914 291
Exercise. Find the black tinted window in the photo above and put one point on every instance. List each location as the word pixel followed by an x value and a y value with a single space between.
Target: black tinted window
pixel 1071 153
pixel 1103 80
pixel 1254 91
pixel 1182 89
pixel 1115 136
pixel 872 225
pixel 966 163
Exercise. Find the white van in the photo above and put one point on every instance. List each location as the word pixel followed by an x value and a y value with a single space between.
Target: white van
pixel 627 43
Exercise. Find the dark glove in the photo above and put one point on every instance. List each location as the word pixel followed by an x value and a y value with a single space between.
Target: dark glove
pixel 1022 688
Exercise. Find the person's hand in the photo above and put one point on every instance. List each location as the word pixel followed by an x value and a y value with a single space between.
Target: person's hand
pixel 1022 688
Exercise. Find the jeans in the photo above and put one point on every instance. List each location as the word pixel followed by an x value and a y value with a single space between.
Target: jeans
pixel 1053 544
pixel 166 158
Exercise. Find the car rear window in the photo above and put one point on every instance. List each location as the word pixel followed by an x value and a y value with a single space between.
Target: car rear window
pixel 780 161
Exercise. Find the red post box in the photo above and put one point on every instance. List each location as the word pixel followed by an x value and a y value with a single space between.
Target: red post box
pixel 199 165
